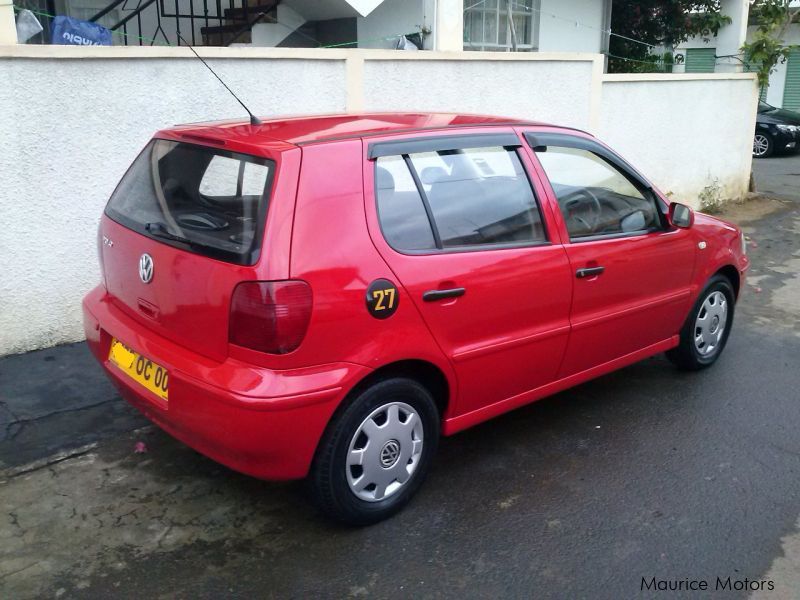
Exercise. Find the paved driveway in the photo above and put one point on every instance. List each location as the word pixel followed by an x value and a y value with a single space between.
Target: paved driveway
pixel 647 472
pixel 778 174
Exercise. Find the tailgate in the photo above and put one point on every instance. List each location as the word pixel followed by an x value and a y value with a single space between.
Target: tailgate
pixel 184 226
pixel 188 298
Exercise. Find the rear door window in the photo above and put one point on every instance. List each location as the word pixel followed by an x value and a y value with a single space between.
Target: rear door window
pixel 200 199
pixel 457 198
pixel 479 196
pixel 401 211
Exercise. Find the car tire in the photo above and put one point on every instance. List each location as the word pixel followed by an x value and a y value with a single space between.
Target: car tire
pixel 376 452
pixel 763 145
pixel 701 341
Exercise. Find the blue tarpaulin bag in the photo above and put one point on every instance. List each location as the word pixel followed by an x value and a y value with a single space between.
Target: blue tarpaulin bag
pixel 74 32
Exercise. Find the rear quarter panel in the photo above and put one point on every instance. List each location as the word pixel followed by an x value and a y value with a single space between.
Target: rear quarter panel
pixel 332 251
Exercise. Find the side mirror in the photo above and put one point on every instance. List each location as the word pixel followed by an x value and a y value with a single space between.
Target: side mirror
pixel 681 215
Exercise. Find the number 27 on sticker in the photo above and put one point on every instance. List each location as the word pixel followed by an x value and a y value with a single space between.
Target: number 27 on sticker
pixel 384 299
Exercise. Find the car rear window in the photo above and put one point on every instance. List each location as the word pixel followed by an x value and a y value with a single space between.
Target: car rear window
pixel 205 200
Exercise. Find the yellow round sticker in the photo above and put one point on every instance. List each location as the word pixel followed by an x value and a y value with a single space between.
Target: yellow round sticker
pixel 382 298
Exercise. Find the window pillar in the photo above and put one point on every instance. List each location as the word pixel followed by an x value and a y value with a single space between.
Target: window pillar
pixel 448 33
pixel 731 37
pixel 8 26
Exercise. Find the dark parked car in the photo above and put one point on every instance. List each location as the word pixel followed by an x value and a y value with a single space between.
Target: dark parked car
pixel 776 130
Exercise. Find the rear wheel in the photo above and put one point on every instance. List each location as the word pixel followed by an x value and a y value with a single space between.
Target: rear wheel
pixel 376 452
pixel 763 145
pixel 707 327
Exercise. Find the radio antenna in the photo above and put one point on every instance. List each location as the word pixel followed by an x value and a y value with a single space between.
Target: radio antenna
pixel 254 120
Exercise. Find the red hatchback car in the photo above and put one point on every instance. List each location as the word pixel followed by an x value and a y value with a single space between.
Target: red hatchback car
pixel 323 297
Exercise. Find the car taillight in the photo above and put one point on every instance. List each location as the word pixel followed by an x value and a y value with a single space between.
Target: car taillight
pixel 270 316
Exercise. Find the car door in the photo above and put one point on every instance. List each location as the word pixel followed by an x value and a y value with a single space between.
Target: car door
pixel 458 222
pixel 632 271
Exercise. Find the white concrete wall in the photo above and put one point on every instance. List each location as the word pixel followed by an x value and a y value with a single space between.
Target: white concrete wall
pixel 548 90
pixel 706 122
pixel 558 31
pixel 73 118
pixel 70 128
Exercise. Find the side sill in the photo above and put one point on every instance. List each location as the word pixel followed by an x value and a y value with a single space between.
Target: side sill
pixel 461 422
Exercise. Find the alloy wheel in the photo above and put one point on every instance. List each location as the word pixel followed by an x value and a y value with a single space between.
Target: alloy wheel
pixel 760 145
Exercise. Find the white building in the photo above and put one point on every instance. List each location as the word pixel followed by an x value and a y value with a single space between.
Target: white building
pixel 722 53
pixel 538 25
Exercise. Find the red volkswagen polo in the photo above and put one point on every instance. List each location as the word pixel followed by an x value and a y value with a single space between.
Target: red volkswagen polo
pixel 324 297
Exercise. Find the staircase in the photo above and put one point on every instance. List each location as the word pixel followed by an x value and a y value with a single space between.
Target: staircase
pixel 226 22
pixel 238 23
pixel 207 22
pixel 287 23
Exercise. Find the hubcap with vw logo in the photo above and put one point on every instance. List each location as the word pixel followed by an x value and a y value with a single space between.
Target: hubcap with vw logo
pixel 146 268
pixel 709 326
pixel 385 451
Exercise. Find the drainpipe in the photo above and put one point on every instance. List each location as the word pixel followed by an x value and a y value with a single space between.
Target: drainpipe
pixel 605 37
pixel 8 26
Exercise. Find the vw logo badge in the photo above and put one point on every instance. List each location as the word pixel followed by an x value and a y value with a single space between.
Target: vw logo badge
pixel 146 268
pixel 390 453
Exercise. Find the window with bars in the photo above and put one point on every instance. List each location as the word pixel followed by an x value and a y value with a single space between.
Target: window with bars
pixel 487 26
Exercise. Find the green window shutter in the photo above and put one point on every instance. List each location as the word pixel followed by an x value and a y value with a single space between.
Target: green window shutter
pixel 791 91
pixel 701 60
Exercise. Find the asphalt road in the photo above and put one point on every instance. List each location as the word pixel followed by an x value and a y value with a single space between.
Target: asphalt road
pixel 647 472
pixel 779 174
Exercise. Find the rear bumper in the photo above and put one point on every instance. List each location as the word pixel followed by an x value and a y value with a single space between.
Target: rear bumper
pixel 257 421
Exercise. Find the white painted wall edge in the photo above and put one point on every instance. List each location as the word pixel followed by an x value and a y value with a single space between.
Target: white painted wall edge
pixel 116 52
pixel 622 77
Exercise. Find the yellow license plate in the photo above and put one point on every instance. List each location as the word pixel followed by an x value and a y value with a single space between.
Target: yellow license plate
pixel 140 368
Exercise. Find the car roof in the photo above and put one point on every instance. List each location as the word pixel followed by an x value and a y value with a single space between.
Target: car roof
pixel 302 130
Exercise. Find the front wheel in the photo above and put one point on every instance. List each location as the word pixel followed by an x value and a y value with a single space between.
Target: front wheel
pixel 763 146
pixel 376 452
pixel 707 327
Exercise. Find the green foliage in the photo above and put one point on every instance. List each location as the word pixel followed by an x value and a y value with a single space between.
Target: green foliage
pixel 767 49
pixel 658 23
pixel 652 63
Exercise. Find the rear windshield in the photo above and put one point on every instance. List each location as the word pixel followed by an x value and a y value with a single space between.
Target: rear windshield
pixel 205 200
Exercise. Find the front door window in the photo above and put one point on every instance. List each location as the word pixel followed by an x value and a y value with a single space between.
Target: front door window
pixel 595 198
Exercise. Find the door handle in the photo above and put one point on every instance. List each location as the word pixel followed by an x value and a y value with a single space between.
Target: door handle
pixel 434 295
pixel 588 272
